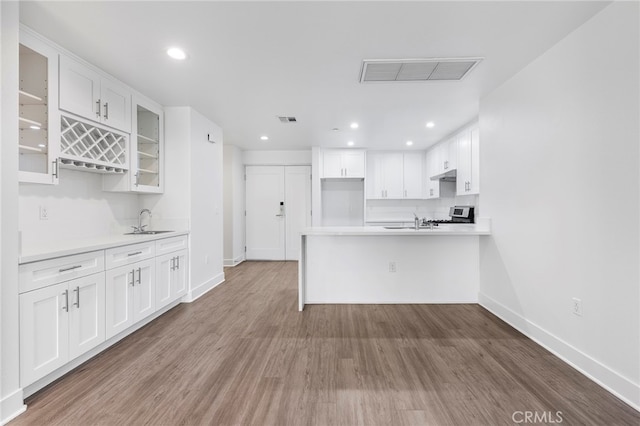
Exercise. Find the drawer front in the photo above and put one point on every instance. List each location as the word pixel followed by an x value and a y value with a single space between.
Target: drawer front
pixel 47 272
pixel 168 245
pixel 125 255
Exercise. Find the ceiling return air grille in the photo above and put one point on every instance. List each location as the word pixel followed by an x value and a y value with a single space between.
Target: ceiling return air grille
pixel 416 69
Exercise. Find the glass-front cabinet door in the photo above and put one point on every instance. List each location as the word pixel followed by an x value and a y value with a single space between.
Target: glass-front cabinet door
pixel 147 146
pixel 38 120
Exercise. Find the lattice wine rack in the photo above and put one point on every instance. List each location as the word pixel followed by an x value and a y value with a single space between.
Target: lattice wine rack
pixel 86 147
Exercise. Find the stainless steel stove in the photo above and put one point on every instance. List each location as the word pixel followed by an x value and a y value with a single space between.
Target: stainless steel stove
pixel 458 214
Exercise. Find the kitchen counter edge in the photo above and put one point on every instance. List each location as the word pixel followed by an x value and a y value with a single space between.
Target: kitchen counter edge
pixel 382 231
pixel 52 251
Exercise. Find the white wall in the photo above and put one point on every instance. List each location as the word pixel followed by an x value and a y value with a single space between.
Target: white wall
pixel 10 392
pixel 172 209
pixel 560 181
pixel 277 158
pixel 77 208
pixel 193 193
pixel 206 203
pixel 234 199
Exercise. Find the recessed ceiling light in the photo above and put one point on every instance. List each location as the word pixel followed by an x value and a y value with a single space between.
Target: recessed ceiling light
pixel 41 145
pixel 430 124
pixel 354 125
pixel 409 143
pixel 176 53
pixel 34 127
pixel 335 129
pixel 264 138
pixel 350 143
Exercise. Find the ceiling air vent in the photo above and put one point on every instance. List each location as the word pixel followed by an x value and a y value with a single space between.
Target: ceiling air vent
pixel 284 119
pixel 437 69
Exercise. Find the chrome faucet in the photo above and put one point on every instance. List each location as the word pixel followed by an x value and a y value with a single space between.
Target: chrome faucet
pixel 416 222
pixel 140 226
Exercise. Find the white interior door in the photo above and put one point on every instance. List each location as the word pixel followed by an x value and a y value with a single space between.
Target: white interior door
pixel 265 213
pixel 297 207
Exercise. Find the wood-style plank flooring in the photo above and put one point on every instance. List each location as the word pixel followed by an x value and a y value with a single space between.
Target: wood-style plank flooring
pixel 243 355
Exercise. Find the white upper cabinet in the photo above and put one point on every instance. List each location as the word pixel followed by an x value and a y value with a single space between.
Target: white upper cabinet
pixel 394 175
pixel 146 166
pixel 39 123
pixel 384 175
pixel 343 163
pixel 432 165
pixel 468 175
pixel 445 157
pixel 89 94
pixel 413 175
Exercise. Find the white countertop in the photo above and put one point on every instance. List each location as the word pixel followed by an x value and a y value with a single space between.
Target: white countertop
pixel 69 247
pixel 443 229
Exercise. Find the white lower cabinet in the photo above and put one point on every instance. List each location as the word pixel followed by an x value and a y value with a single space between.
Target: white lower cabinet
pixel 59 323
pixel 130 295
pixel 70 305
pixel 171 282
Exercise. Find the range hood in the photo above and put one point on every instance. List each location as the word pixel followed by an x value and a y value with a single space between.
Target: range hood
pixel 448 176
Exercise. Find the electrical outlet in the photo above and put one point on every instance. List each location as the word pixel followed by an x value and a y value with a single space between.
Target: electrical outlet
pixel 577 306
pixel 392 266
pixel 44 213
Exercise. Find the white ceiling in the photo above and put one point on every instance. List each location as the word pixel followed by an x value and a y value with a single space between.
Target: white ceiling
pixel 251 61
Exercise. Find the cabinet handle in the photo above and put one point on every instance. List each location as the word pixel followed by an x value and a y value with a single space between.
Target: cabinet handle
pixel 405 193
pixel 106 110
pixel 134 253
pixel 177 262
pixel 98 108
pixel 70 268
pixel 133 277
pixel 173 264
pixel 77 290
pixel 55 168
pixel 139 275
pixel 136 176
pixel 66 300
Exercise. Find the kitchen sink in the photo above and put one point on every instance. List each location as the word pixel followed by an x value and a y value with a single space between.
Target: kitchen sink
pixel 147 232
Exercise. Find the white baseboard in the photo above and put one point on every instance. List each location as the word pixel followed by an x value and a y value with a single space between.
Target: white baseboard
pixel 11 406
pixel 203 288
pixel 233 262
pixel 604 376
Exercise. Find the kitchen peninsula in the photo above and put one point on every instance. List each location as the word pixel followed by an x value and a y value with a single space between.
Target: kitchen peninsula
pixel 370 264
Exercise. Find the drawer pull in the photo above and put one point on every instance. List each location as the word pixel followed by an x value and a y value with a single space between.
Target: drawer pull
pixel 77 290
pixel 134 253
pixel 66 301
pixel 70 268
pixel 139 275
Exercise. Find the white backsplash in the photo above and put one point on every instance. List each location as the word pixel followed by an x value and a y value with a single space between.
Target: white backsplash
pixel 77 208
pixel 403 210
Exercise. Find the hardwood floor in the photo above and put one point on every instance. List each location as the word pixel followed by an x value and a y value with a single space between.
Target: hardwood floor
pixel 243 354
